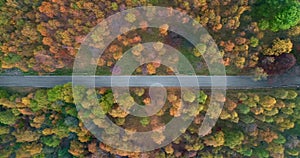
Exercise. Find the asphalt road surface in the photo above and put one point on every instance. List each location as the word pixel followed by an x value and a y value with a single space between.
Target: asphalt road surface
pixel 204 82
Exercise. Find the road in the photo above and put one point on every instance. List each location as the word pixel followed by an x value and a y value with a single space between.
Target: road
pixel 205 82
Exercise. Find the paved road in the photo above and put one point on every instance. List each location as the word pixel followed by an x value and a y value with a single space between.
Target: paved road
pixel 233 82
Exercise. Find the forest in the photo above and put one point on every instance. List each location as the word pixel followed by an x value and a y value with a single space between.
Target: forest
pixel 43 37
pixel 45 122
pixel 258 38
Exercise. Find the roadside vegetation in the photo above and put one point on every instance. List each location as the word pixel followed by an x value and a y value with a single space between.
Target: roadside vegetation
pixel 45 122
pixel 43 37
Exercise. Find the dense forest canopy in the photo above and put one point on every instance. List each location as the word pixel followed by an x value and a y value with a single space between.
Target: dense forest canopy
pixel 254 37
pixel 43 37
pixel 45 122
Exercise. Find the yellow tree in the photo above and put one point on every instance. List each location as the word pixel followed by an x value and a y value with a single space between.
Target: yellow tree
pixel 279 47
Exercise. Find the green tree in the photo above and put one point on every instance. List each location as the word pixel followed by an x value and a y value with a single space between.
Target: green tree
pixel 261 152
pixel 4 130
pixel 202 97
pixel 145 121
pixel 269 119
pixel 71 110
pixel 55 93
pixel 52 141
pixel 12 58
pixel 244 109
pixel 114 6
pixel 7 117
pixel 275 148
pixel 107 101
pixel 292 152
pixel 233 138
pixel 292 94
pixel 245 151
pixel 40 100
pixel 280 140
pixel 120 121
pixel 277 15
pixel 63 152
pixel 254 41
pixel 3 94
pixel 247 119
pixel 280 94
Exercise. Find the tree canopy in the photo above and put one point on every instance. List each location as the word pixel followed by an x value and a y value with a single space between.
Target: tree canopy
pixel 277 15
